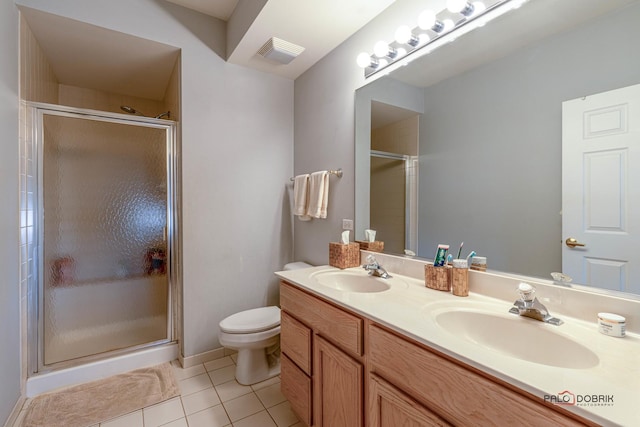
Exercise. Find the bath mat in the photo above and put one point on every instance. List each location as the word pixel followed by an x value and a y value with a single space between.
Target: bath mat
pixel 88 404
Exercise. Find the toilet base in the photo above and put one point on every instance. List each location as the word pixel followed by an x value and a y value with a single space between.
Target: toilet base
pixel 253 367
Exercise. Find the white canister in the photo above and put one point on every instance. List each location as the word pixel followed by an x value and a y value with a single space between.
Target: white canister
pixel 611 324
pixel 479 263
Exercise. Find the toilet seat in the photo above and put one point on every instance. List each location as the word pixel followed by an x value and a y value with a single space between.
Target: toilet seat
pixel 251 321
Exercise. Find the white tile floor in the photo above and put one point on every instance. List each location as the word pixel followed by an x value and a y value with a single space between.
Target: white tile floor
pixel 211 397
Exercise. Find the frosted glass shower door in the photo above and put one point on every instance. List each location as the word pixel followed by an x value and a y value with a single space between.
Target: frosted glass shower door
pixel 104 253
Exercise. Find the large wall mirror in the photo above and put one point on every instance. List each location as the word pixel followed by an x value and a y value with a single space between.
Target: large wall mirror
pixel 488 114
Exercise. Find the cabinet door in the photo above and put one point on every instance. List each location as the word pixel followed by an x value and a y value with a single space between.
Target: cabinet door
pixel 338 394
pixel 295 341
pixel 389 407
pixel 296 387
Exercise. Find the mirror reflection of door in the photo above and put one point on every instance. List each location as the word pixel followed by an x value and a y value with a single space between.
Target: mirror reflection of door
pixel 393 192
pixel 600 193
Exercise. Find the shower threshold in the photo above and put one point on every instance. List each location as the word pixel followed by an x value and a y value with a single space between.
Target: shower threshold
pixel 94 370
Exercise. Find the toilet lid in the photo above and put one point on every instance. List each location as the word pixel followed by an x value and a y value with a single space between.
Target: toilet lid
pixel 254 320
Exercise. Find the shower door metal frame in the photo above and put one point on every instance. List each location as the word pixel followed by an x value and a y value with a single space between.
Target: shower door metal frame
pixel 35 321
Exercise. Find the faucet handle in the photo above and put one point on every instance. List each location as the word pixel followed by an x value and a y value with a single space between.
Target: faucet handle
pixel 526 292
pixel 371 259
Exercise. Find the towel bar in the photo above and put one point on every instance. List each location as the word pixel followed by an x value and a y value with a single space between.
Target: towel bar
pixel 337 173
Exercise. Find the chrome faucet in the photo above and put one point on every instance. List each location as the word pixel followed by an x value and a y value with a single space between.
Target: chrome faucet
pixel 374 268
pixel 529 306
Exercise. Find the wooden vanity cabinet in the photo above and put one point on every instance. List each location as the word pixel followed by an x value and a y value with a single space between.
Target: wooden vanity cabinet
pixel 450 391
pixel 322 365
pixel 330 364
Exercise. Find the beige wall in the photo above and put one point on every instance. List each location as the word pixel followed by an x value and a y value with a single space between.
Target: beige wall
pixel 171 100
pixel 38 83
pixel 79 97
pixel 400 137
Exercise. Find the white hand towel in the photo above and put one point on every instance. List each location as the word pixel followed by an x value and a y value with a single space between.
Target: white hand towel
pixel 318 194
pixel 301 197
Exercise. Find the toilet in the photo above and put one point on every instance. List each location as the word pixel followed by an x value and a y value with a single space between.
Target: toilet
pixel 255 334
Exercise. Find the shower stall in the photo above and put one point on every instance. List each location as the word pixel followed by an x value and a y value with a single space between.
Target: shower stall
pixel 393 199
pixel 103 245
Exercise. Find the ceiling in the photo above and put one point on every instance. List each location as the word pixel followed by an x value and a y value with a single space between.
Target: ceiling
pixel 317 26
pixel 221 9
pixel 145 66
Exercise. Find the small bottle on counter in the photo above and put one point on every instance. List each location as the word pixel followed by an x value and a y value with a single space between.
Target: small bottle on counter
pixel 460 278
pixel 479 263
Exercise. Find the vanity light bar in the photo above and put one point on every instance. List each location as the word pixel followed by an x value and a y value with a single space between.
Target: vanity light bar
pixel 433 30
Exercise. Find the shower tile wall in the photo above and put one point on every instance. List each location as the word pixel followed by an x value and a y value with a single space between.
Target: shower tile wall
pixel 400 137
pixel 79 97
pixel 37 83
pixel 28 239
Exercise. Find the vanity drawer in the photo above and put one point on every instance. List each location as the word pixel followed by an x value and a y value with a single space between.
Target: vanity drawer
pixel 342 328
pixel 461 396
pixel 296 387
pixel 295 341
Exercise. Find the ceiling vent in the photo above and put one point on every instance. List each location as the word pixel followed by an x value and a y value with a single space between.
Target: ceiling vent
pixel 280 51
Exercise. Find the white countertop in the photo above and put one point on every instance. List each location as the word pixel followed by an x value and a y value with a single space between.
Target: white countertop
pixel 409 308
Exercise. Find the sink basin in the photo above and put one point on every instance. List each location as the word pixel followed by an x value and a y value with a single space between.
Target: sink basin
pixel 517 337
pixel 354 281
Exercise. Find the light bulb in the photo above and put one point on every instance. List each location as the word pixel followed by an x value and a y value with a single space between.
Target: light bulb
pixel 364 60
pixel 462 7
pixel 424 38
pixel 427 19
pixel 448 25
pixel 381 49
pixel 456 6
pixel 478 7
pixel 403 34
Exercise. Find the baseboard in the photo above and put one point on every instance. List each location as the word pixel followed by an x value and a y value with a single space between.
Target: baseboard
pixel 207 356
pixel 15 413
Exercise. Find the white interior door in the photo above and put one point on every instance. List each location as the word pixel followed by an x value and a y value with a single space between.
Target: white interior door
pixel 601 189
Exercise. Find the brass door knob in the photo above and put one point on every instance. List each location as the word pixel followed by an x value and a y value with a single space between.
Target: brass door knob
pixel 572 243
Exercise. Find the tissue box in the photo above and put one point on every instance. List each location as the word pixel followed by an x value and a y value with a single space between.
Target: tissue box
pixel 438 278
pixel 371 246
pixel 344 256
